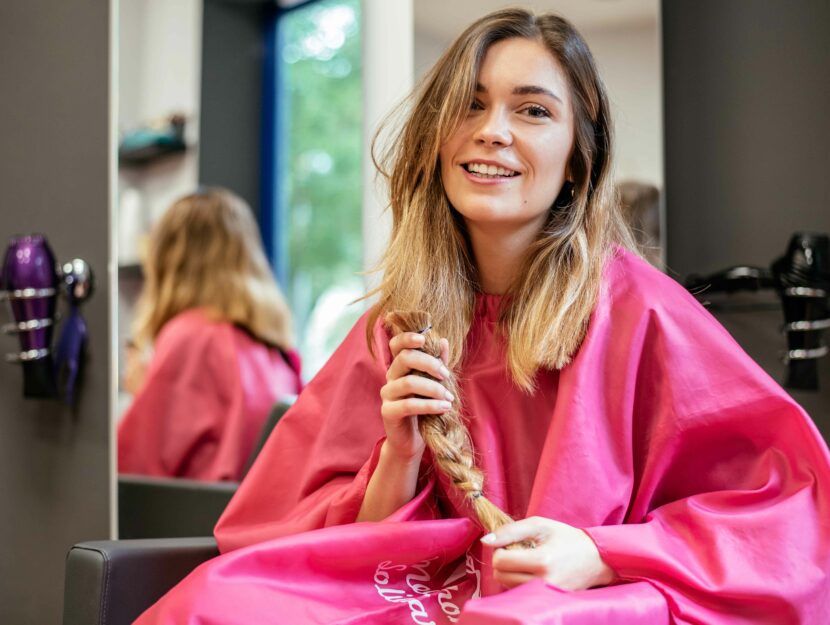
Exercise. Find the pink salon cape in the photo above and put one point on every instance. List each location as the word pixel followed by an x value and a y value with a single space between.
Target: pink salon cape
pixel 207 393
pixel 704 486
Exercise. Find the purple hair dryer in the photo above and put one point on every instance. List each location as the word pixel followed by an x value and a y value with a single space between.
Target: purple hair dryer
pixel 29 282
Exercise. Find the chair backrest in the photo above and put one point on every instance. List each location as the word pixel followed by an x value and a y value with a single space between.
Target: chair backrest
pixel 277 412
pixel 164 507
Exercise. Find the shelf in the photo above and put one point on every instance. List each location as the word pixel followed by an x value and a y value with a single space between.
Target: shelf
pixel 145 155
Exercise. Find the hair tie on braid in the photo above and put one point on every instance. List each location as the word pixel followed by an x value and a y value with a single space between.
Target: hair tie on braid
pixel 447 436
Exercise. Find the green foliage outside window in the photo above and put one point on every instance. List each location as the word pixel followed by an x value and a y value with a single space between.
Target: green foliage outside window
pixel 320 183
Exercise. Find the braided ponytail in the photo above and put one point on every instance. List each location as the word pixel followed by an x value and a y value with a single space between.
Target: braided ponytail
pixel 446 435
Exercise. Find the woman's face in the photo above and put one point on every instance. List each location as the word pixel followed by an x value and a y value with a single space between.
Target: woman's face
pixel 506 163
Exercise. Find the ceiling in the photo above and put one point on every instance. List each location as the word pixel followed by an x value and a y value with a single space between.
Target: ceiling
pixel 444 19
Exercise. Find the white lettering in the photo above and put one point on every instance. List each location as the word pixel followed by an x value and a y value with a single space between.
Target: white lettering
pixel 417 578
pixel 393 595
pixel 419 613
pixel 447 606
pixel 387 565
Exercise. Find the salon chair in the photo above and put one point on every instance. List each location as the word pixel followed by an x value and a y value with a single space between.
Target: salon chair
pixel 163 507
pixel 111 582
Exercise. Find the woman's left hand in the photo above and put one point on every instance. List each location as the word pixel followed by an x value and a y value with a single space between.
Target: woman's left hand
pixel 564 555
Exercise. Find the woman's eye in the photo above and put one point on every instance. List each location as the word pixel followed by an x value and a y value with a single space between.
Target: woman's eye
pixel 475 105
pixel 534 110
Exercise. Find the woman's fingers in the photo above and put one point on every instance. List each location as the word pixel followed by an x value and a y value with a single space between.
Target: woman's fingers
pixel 414 385
pixel 405 340
pixel 510 579
pixel 408 394
pixel 531 561
pixel 409 359
pixel 413 406
pixel 533 529
pixel 445 351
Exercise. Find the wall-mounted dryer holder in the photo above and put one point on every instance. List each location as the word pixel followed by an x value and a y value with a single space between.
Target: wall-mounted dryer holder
pixel 801 277
pixel 32 284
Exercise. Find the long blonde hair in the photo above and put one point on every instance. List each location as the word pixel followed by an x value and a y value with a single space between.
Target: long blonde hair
pixel 205 252
pixel 429 265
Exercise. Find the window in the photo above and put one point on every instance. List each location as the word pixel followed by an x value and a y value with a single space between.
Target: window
pixel 318 186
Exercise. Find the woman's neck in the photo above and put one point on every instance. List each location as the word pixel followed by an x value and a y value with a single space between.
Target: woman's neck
pixel 499 251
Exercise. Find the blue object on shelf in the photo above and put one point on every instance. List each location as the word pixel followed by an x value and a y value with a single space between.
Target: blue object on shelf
pixel 148 144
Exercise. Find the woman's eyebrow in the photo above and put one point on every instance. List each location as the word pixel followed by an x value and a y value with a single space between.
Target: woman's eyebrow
pixel 525 90
pixel 535 90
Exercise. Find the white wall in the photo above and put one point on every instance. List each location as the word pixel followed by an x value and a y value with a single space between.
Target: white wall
pixel 428 49
pixel 160 58
pixel 387 79
pixel 159 74
pixel 629 63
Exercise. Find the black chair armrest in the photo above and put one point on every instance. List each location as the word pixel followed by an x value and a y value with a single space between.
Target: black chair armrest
pixel 113 582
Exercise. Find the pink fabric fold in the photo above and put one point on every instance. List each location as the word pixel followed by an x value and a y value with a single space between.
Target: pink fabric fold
pixel 703 485
pixel 538 603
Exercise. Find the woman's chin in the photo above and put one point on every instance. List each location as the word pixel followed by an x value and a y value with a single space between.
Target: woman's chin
pixel 489 217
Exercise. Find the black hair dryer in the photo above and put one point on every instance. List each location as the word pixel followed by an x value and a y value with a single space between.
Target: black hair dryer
pixel 31 282
pixel 801 277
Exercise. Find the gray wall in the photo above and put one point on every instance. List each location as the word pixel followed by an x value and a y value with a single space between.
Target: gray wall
pixel 747 152
pixel 54 178
pixel 230 125
pixel 747 130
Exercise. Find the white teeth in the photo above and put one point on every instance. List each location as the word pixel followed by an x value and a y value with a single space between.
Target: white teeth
pixel 489 170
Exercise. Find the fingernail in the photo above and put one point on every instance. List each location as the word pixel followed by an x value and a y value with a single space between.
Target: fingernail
pixel 445 405
pixel 449 396
pixel 445 372
pixel 488 539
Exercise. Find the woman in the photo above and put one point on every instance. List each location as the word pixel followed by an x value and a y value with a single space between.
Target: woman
pixel 221 337
pixel 660 474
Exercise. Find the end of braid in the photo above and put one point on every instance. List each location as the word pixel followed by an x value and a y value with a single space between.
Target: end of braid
pixel 492 518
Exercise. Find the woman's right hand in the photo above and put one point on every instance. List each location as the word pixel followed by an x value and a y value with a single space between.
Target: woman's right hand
pixel 407 395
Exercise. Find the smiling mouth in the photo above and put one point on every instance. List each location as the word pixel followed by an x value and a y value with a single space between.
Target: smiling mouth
pixel 480 170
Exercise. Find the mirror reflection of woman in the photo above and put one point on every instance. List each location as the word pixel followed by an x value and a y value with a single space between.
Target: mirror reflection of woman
pixel 660 475
pixel 219 333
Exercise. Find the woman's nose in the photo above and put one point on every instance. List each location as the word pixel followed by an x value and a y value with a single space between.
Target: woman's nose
pixel 493 129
